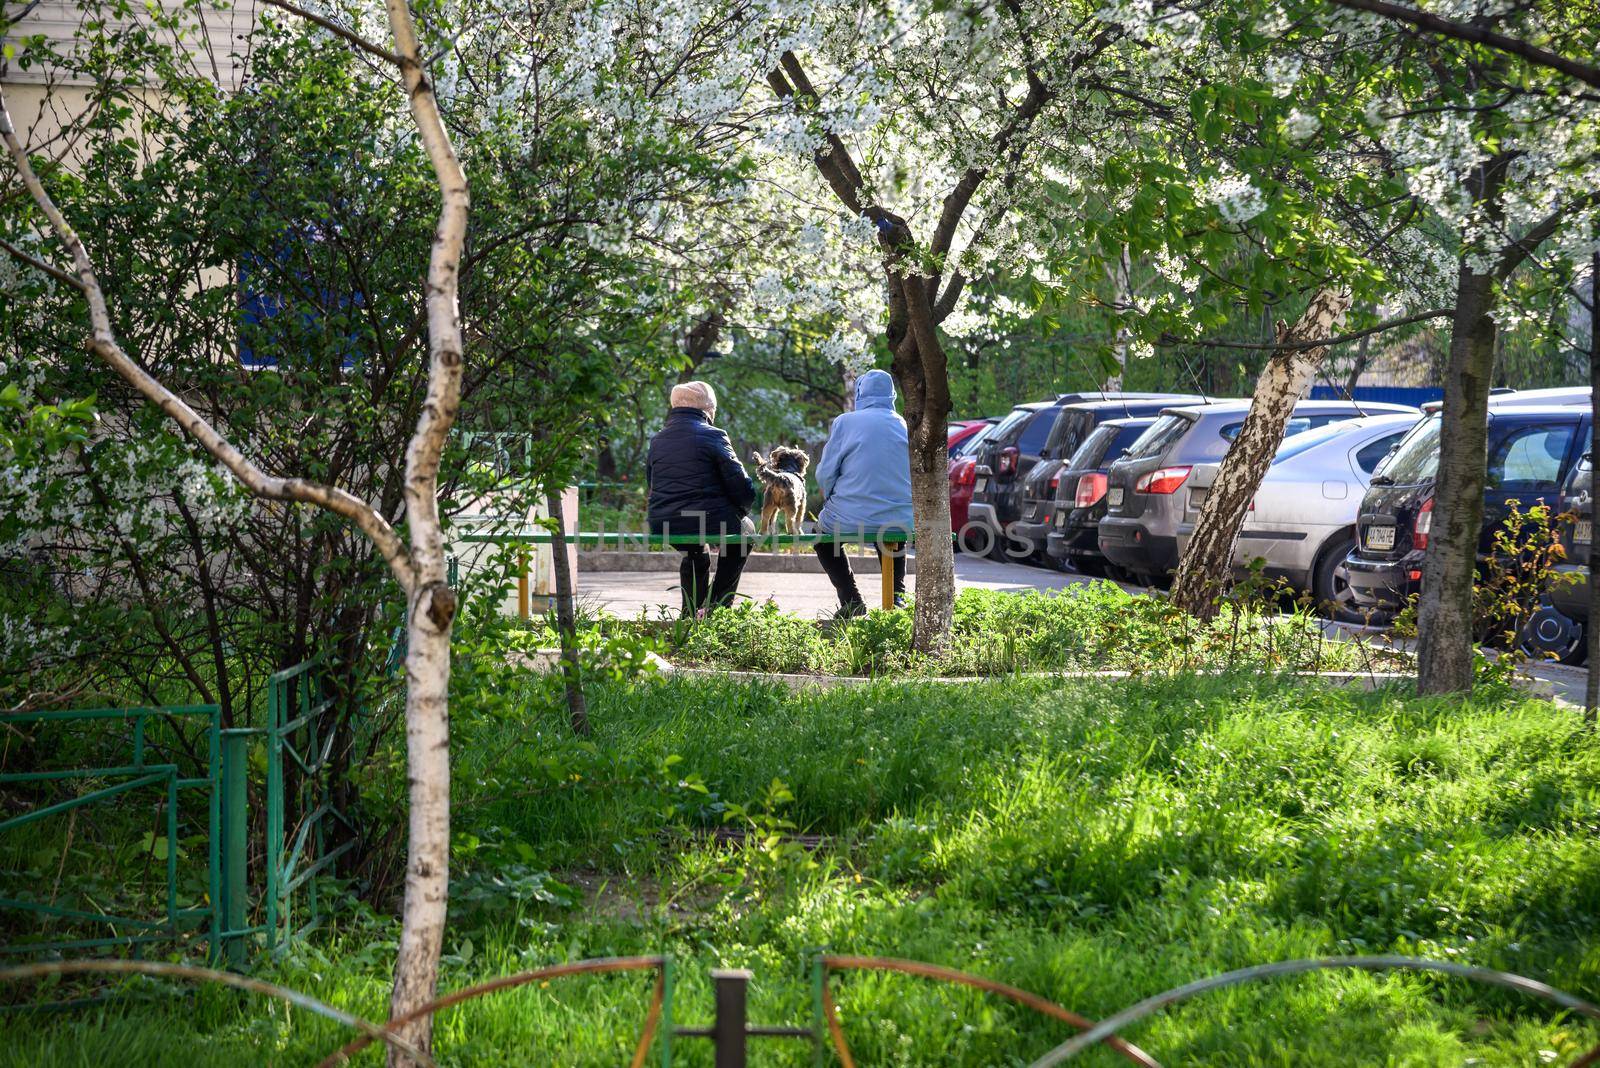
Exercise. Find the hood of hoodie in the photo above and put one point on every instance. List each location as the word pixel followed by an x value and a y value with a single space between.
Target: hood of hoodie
pixel 875 389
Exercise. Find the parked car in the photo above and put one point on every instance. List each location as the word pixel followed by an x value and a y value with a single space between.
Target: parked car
pixel 1081 497
pixel 1302 522
pixel 1570 597
pixel 963 468
pixel 1144 508
pixel 963 430
pixel 1532 451
pixel 1518 398
pixel 1047 432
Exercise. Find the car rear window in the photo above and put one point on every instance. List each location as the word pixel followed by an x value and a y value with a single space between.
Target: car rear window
pixel 1370 455
pixel 1072 429
pixel 1530 458
pixel 1158 437
pixel 1010 423
pixel 1037 432
pixel 1094 446
pixel 971 445
pixel 1417 458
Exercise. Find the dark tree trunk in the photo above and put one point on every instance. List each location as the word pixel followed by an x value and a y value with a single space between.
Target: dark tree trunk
pixel 1208 561
pixel 566 625
pixel 1444 615
pixel 1591 690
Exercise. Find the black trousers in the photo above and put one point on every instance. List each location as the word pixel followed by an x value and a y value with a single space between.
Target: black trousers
pixel 837 565
pixel 694 571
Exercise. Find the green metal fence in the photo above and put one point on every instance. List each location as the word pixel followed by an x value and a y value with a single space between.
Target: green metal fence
pixel 219 918
pixel 305 832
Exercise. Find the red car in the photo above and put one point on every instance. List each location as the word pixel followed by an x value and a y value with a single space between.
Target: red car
pixel 964 437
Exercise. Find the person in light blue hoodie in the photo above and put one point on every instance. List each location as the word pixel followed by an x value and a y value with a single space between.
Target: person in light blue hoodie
pixel 865 475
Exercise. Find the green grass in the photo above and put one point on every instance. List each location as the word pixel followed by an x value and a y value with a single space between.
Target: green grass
pixel 1095 842
pixel 1089 626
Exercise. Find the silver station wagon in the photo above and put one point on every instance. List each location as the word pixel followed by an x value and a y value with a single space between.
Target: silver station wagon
pixel 1302 523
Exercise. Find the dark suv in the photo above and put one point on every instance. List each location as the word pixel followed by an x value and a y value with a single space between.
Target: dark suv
pixel 1080 500
pixel 1532 450
pixel 1036 508
pixel 1052 432
pixel 1146 497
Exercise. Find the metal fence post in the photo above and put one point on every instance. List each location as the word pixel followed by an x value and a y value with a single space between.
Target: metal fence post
pixel 235 817
pixel 819 1026
pixel 667 1032
pixel 274 845
pixel 728 1030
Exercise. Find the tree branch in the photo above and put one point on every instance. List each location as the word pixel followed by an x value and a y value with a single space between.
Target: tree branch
pixel 1392 324
pixel 103 343
pixel 338 30
pixel 1461 31
pixel 40 265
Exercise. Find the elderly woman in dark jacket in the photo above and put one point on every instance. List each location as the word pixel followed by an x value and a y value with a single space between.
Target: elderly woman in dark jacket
pixel 698 486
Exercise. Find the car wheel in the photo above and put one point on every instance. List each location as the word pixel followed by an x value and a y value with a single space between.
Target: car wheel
pixel 1551 634
pixel 1330 588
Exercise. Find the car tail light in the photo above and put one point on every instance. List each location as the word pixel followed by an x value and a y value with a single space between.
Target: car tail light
pixel 1007 461
pixel 1055 483
pixel 1161 480
pixel 965 474
pixel 1424 523
pixel 1090 489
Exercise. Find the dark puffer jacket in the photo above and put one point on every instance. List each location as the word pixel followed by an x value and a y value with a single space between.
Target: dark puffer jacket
pixel 696 482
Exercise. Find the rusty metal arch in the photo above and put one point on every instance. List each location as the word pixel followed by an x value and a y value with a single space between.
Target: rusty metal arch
pixel 600 965
pixel 1112 1024
pixel 370 1031
pixel 938 972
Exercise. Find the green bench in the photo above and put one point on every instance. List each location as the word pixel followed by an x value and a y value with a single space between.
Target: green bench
pixel 893 541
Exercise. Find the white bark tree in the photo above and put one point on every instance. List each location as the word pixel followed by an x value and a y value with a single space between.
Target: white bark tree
pixel 418 561
pixel 1206 565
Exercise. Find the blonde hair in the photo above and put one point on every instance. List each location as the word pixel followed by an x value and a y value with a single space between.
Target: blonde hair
pixel 695 395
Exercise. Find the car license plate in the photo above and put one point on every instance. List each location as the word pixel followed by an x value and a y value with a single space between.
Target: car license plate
pixel 1583 530
pixel 980 485
pixel 1380 537
pixel 1114 497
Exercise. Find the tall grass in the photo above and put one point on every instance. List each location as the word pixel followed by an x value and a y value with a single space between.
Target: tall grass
pixel 1093 842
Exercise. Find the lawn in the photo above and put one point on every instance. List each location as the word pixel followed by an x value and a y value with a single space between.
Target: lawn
pixel 1092 841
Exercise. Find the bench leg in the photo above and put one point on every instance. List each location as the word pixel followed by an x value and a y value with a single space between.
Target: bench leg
pixel 886 568
pixel 522 583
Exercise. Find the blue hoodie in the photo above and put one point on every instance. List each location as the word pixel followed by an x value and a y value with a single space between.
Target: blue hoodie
pixel 865 473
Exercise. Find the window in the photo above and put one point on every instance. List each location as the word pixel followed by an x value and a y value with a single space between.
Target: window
pixel 1158 437
pixel 970 446
pixel 1070 431
pixel 1037 432
pixel 1295 444
pixel 1529 459
pixel 1370 455
pixel 1010 423
pixel 1416 460
pixel 1088 454
pixel 1297 424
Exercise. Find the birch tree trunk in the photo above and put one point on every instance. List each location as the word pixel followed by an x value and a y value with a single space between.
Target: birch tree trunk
pixel 433 605
pixel 1122 294
pixel 420 567
pixel 1207 563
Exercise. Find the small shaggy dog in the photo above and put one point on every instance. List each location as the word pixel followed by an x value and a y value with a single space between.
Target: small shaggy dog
pixel 783 472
